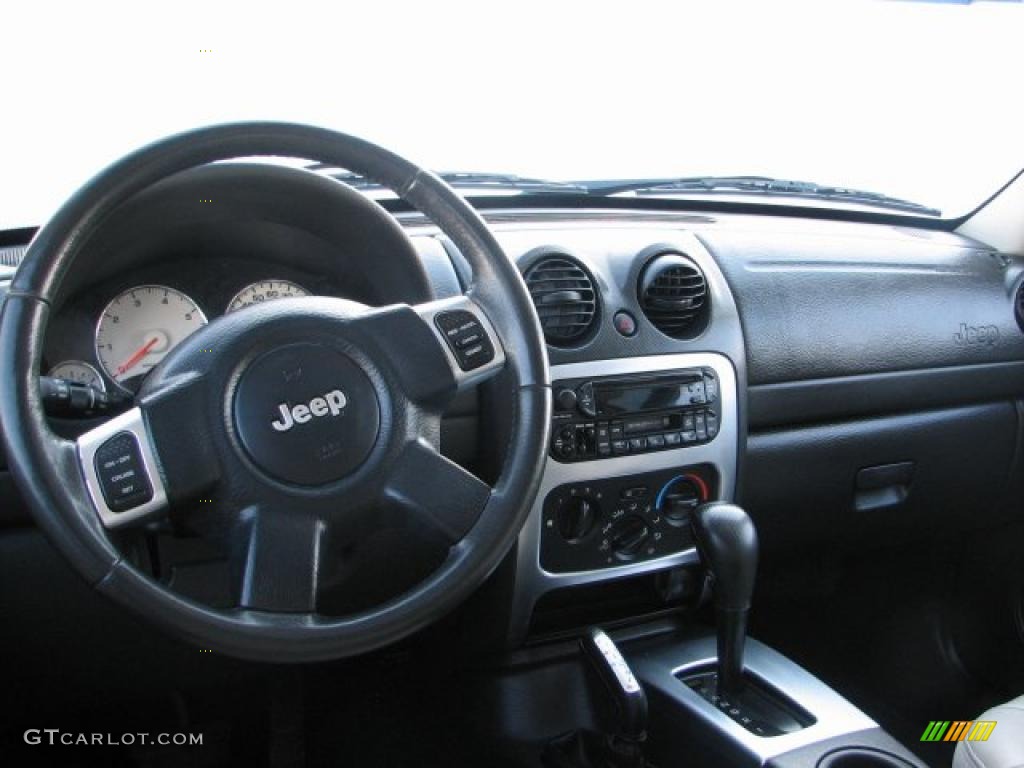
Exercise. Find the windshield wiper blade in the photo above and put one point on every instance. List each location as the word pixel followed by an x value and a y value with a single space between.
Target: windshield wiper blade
pixel 510 181
pixel 764 185
pixel 466 180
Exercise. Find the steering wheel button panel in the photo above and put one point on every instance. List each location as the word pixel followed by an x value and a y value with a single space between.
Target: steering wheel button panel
pixel 122 478
pixel 119 468
pixel 466 338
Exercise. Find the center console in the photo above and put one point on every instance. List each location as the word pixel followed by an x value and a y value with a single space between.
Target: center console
pixel 647 433
pixel 637 443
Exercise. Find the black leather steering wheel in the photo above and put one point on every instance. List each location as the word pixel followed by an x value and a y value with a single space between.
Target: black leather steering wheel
pixel 309 422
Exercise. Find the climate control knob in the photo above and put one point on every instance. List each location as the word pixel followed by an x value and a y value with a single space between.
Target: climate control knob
pixel 680 496
pixel 576 518
pixel 628 536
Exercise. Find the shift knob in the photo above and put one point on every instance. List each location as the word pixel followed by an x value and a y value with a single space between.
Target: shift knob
pixel 727 545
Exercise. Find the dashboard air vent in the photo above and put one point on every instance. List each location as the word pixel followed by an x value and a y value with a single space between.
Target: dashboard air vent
pixel 565 298
pixel 673 294
pixel 12 256
pixel 1018 305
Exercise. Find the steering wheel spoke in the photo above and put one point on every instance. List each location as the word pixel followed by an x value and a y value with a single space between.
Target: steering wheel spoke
pixel 436 349
pixel 121 471
pixel 141 462
pixel 279 560
pixel 466 336
pixel 439 495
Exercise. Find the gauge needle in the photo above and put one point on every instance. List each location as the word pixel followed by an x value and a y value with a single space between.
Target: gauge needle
pixel 140 353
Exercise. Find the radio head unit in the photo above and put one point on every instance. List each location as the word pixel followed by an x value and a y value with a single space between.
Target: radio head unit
pixel 617 415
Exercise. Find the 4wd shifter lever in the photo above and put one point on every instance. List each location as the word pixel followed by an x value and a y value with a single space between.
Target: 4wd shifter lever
pixel 727 544
pixel 620 682
pixel 619 744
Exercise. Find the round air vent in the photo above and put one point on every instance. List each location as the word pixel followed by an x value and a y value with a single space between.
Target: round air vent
pixel 674 294
pixel 564 296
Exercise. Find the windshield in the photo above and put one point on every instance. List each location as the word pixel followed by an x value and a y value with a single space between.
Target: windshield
pixel 917 101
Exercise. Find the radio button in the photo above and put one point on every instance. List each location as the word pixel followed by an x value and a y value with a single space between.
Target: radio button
pixel 585 399
pixel 711 387
pixel 712 424
pixel 702 430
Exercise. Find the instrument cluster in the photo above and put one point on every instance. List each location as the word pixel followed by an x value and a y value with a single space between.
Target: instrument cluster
pixel 139 326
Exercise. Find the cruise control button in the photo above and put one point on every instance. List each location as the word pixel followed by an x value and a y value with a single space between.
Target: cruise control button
pixel 637 443
pixel 465 338
pixel 673 438
pixel 656 441
pixel 620 446
pixel 122 477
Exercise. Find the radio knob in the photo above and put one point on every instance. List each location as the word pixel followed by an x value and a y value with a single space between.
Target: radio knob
pixel 566 399
pixel 576 518
pixel 628 536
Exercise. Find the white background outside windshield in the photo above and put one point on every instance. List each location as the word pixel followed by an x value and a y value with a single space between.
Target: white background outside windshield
pixel 917 100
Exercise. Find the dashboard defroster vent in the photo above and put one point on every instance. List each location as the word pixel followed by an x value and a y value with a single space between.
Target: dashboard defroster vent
pixel 673 294
pixel 565 298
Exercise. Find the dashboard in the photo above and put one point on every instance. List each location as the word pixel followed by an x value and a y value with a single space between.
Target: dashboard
pixel 792 356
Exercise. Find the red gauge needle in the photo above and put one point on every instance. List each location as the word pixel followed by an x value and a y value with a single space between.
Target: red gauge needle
pixel 140 353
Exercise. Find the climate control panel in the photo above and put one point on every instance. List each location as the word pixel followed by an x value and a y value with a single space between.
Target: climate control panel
pixel 609 522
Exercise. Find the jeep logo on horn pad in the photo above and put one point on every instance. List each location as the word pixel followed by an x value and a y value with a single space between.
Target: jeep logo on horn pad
pixel 310 429
pixel 332 403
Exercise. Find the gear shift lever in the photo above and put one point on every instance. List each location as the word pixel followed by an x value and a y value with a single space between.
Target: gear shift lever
pixel 727 545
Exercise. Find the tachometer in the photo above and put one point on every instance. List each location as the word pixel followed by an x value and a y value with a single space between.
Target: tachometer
pixel 80 372
pixel 139 327
pixel 265 290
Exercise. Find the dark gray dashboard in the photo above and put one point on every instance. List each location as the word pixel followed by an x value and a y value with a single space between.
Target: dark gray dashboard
pixel 850 346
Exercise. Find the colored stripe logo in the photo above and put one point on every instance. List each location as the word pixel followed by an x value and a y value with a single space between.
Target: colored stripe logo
pixel 958 730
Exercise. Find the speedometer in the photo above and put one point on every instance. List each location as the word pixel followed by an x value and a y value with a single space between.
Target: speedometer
pixel 139 327
pixel 265 290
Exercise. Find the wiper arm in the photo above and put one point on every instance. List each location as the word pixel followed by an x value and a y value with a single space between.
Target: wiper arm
pixel 764 185
pixel 466 180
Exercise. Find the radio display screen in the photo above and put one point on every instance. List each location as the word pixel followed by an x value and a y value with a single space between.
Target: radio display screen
pixel 616 401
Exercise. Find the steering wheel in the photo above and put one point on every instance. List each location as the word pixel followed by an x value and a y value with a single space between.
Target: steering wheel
pixel 309 424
